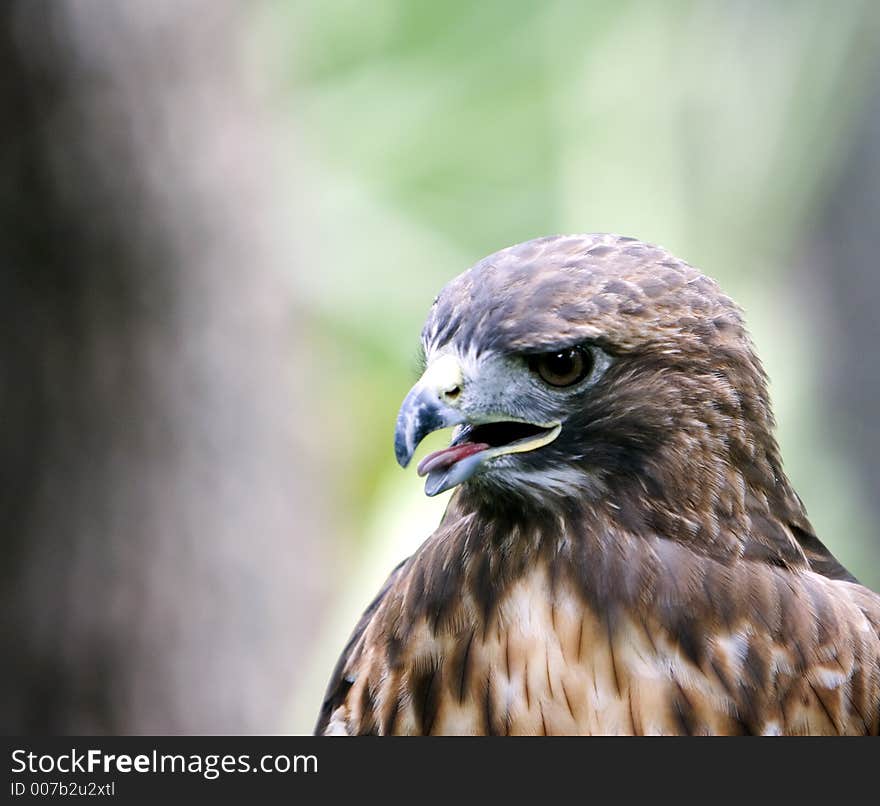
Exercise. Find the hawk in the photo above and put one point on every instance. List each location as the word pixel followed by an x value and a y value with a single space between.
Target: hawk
pixel 623 553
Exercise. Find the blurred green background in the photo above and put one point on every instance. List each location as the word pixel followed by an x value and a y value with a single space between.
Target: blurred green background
pixel 396 142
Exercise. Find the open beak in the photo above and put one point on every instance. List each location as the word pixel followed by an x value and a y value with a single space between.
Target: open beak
pixel 434 403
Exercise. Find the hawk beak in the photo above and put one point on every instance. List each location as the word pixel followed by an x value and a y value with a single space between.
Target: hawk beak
pixel 429 406
pixel 435 403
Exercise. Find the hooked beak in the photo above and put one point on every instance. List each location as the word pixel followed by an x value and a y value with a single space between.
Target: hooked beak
pixel 428 407
pixel 435 403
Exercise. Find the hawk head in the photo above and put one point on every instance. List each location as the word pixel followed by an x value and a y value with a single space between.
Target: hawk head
pixel 575 366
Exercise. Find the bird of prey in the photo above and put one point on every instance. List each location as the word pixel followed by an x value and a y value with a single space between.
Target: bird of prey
pixel 623 553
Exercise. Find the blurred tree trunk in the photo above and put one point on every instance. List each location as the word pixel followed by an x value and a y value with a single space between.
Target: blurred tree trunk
pixel 159 499
pixel 843 258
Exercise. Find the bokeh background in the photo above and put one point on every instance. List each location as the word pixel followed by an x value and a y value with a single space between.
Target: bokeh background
pixel 222 225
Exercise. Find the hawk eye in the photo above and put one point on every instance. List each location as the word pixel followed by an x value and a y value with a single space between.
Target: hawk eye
pixel 563 367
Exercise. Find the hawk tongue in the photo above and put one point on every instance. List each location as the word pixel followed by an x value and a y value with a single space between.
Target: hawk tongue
pixel 449 456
